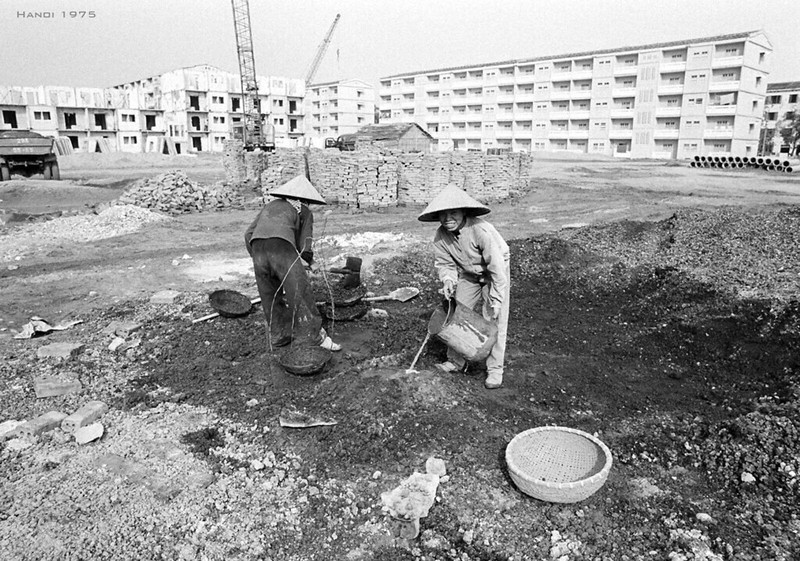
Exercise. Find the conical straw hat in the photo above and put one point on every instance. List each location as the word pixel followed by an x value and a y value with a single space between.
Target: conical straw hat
pixel 299 188
pixel 452 197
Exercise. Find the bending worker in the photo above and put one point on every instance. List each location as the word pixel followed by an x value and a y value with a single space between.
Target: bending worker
pixel 472 260
pixel 279 241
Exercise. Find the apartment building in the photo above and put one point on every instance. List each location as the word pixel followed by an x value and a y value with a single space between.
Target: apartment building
pixel 667 100
pixel 194 109
pixel 780 107
pixel 336 108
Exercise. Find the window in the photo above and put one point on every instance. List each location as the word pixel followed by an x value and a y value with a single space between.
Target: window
pixel 758 81
pixel 761 57
pixel 792 98
pixel 774 99
pixel 130 140
pixel 718 146
pixel 752 127
pixel 217 99
pixel 277 103
pixel 772 116
pixel 278 121
pixel 128 118
pixel 219 120
pixel 41 115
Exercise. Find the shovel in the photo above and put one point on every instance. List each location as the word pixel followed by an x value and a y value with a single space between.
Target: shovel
pixel 400 294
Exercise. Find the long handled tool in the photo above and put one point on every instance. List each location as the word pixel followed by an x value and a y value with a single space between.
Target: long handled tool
pixel 401 295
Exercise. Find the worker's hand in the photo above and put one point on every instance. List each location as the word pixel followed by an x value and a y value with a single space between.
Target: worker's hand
pixel 496 311
pixel 449 289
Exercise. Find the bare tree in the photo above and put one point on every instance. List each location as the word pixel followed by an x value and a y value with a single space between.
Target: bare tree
pixel 790 133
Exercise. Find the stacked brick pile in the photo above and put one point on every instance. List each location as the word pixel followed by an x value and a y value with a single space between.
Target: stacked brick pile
pixel 233 162
pixel 173 193
pixel 374 177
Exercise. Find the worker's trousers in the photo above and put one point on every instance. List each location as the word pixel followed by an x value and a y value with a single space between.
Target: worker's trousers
pixel 471 294
pixel 286 295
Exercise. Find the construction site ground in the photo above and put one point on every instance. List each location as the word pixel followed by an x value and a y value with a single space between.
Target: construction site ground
pixel 652 304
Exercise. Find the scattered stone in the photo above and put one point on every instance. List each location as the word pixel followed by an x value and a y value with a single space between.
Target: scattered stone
pixel 116 343
pixel 122 328
pixel 436 466
pixel 41 424
pixel 376 475
pixel 377 313
pixel 468 536
pixel 8 428
pixel 59 350
pixel 47 386
pixel 87 414
pixel 410 501
pixel 704 518
pixel 747 477
pixel 18 444
pixel 165 297
pixel 89 433
pixel 252 403
pixel 257 465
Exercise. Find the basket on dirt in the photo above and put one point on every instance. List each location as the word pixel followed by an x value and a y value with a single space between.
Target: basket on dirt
pixel 229 303
pixel 344 313
pixel 304 360
pixel 464 330
pixel 558 464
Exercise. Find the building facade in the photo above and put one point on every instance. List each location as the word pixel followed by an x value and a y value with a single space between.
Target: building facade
pixel 337 108
pixel 781 106
pixel 193 109
pixel 667 100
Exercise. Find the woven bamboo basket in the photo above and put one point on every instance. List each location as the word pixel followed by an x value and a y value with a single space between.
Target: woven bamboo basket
pixel 558 464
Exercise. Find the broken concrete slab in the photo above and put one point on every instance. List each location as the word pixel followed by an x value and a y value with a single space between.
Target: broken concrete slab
pixel 41 424
pixel 60 350
pixel 122 328
pixel 116 343
pixel 89 433
pixel 87 414
pixel 50 386
pixel 165 297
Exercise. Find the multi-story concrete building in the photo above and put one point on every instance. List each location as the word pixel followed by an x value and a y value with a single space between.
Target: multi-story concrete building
pixel 780 107
pixel 193 109
pixel 665 100
pixel 336 108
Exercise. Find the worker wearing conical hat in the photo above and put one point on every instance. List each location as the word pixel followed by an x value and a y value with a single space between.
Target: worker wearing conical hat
pixel 472 260
pixel 280 242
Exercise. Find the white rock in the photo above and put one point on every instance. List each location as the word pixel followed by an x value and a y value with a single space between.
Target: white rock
pixel 89 433
pixel 257 465
pixel 376 475
pixel 252 403
pixel 116 343
pixel 6 427
pixel 468 537
pixel 747 477
pixel 436 466
pixel 704 518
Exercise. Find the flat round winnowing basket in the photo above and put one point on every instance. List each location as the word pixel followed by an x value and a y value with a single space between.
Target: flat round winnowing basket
pixel 558 464
pixel 229 303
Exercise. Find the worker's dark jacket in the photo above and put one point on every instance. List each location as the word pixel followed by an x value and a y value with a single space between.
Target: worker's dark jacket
pixel 279 219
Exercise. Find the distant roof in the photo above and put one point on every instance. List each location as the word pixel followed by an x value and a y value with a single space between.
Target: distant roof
pixel 389 131
pixel 714 39
pixel 783 86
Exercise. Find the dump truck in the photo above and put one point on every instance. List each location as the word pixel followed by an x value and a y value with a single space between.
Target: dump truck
pixel 27 153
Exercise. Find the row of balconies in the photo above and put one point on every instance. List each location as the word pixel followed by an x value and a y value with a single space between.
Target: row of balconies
pixel 503 78
pixel 613 134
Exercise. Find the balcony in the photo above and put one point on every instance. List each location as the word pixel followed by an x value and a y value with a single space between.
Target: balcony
pixel 579 134
pixel 558 133
pixel 559 94
pixel 718 133
pixel 724 86
pixel 623 92
pixel 668 111
pixel 666 133
pixel 579 114
pixel 721 110
pixel 666 67
pixel 620 133
pixel 581 93
pixel 626 70
pixel 727 61
pixel 670 89
pixel 621 112
pixel 524 97
pixel 581 75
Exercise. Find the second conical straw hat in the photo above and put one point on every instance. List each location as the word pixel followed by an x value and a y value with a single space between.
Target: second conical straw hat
pixel 449 198
pixel 299 188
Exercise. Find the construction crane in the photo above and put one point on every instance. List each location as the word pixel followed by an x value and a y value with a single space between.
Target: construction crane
pixel 255 133
pixel 312 70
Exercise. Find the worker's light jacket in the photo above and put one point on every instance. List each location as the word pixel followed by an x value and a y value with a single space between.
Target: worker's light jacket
pixel 279 219
pixel 478 252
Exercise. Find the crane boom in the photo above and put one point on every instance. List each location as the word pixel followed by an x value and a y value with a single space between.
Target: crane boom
pixel 253 131
pixel 312 70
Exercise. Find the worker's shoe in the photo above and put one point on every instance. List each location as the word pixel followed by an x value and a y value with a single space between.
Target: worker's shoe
pixel 328 343
pixel 494 380
pixel 448 367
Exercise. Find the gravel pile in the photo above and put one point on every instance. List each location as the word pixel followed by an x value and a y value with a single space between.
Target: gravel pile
pixel 113 221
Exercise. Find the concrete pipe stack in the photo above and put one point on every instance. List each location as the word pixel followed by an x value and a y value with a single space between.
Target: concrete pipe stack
pixel 766 163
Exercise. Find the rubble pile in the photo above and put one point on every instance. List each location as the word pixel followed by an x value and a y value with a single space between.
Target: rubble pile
pixel 173 193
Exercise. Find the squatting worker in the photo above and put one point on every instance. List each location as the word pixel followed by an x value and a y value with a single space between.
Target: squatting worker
pixel 280 242
pixel 472 260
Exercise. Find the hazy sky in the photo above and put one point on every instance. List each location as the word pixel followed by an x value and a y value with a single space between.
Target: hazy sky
pixel 131 39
